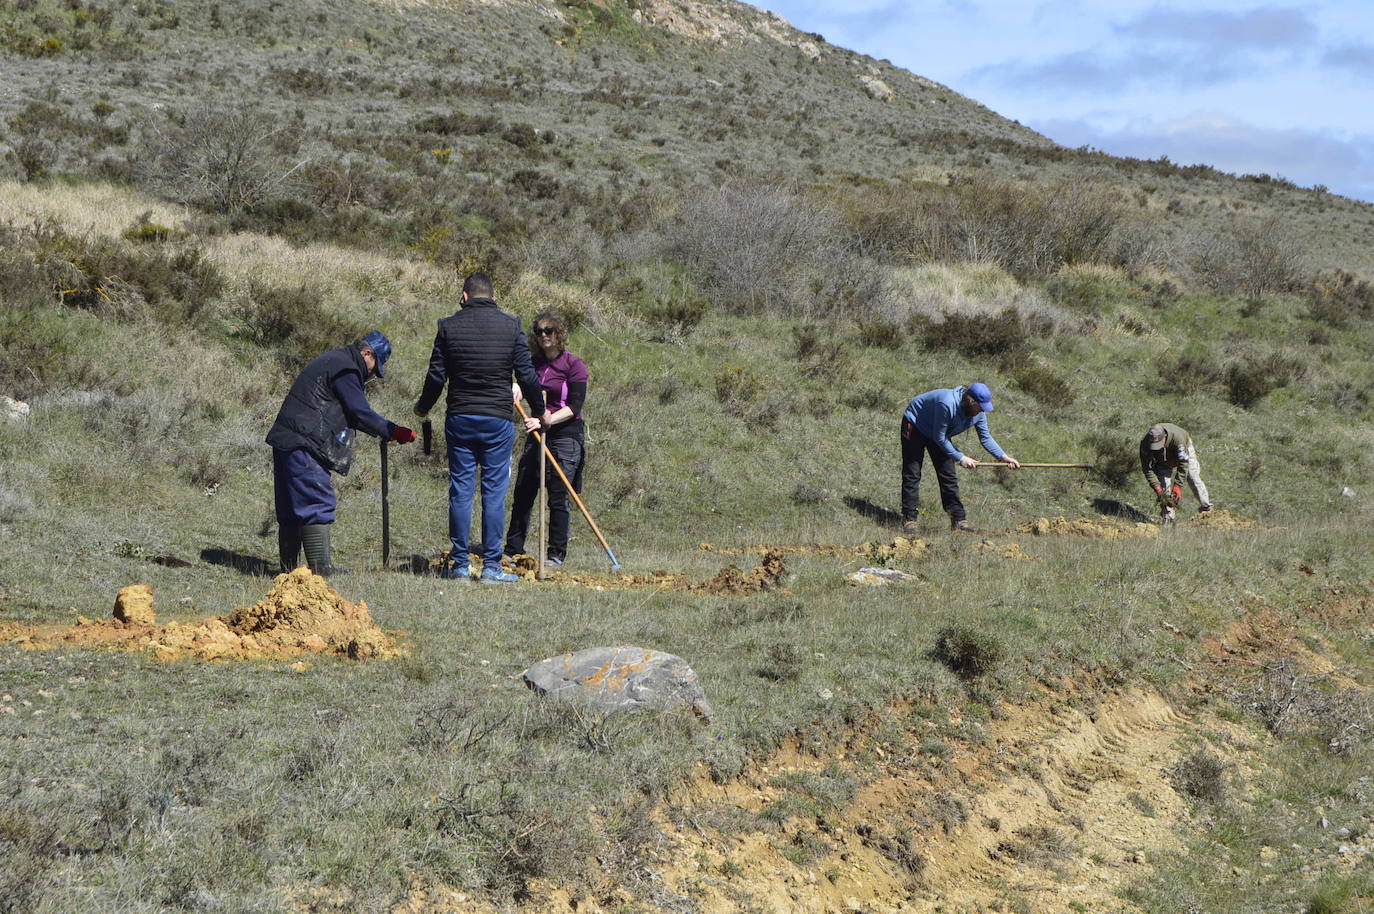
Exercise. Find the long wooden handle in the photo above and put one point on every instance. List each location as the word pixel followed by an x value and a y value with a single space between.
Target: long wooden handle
pixel 386 509
pixel 543 513
pixel 567 484
pixel 1040 466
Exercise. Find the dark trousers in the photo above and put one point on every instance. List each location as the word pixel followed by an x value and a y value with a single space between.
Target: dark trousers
pixel 914 449
pixel 304 492
pixel 567 450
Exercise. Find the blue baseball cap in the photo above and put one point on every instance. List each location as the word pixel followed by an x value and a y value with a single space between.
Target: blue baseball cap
pixel 381 349
pixel 980 392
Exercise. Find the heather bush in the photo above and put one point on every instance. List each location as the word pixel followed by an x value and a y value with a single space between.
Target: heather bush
pixel 1251 378
pixel 295 322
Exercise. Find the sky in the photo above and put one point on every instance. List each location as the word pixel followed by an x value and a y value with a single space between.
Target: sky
pixel 1284 90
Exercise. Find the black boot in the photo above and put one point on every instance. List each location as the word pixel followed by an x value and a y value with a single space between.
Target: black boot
pixel 289 548
pixel 315 539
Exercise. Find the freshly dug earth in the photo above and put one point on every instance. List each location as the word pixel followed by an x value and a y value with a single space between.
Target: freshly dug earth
pixel 1218 517
pixel 770 572
pixel 301 614
pixel 900 548
pixel 1087 527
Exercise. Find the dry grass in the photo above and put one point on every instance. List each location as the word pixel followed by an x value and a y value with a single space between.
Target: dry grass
pixel 103 209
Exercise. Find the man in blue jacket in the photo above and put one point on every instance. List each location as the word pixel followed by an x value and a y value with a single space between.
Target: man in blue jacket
pixel 476 352
pixel 313 436
pixel 930 420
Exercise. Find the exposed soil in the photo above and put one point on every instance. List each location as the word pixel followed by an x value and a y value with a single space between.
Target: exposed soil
pixel 301 614
pixel 769 573
pixel 1095 528
pixel 1219 517
pixel 899 548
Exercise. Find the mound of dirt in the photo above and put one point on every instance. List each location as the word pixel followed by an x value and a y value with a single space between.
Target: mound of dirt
pixel 301 614
pixel 1225 520
pixel 135 604
pixel 731 580
pixel 1010 550
pixel 900 548
pixel 1087 527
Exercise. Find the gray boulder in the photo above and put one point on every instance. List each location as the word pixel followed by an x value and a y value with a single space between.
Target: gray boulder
pixel 621 679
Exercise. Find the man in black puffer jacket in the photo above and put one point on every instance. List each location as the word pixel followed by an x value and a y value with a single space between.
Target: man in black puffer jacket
pixel 313 435
pixel 476 351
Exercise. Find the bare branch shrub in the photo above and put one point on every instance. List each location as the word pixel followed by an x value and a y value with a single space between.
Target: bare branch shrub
pixel 1251 257
pixel 222 158
pixel 766 248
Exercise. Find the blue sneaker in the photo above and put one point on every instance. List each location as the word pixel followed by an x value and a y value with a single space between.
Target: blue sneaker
pixel 497 576
pixel 553 562
pixel 457 573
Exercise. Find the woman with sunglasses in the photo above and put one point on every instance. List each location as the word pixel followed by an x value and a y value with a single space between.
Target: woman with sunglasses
pixel 563 377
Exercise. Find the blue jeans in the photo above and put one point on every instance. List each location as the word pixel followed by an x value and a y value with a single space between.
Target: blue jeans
pixel 474 441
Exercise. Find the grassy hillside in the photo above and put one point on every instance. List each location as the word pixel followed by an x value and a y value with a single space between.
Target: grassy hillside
pixel 764 257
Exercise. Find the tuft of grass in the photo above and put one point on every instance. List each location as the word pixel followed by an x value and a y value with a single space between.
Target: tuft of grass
pixel 967 651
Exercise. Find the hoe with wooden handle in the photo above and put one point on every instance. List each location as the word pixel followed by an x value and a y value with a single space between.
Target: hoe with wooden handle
pixel 567 484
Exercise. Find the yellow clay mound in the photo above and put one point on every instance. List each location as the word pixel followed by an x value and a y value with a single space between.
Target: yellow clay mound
pixel 1225 519
pixel 301 614
pixel 1087 527
pixel 1010 550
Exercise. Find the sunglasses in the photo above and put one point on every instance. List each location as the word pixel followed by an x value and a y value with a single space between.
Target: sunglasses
pixel 545 331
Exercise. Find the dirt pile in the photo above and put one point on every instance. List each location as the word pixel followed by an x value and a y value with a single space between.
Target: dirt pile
pixel 1225 520
pixel 877 551
pixel 767 574
pixel 1010 550
pixel 135 604
pixel 301 614
pixel 1087 527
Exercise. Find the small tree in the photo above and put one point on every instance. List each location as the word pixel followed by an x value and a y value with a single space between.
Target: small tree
pixel 221 158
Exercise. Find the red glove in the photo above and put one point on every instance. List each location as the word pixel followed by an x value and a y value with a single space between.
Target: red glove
pixel 402 435
pixel 1159 490
pixel 1176 494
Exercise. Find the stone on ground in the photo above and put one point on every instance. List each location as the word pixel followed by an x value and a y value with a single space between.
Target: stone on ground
pixel 879 577
pixel 621 679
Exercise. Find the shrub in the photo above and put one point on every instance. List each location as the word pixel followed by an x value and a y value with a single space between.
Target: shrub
pixel 880 332
pixel 1251 257
pixel 219 157
pixel 1337 300
pixel 977 336
pixel 1250 379
pixel 294 321
pixel 1044 384
pixel 1116 458
pixel 968 652
pixel 736 386
pixel 1201 776
pixel 1190 372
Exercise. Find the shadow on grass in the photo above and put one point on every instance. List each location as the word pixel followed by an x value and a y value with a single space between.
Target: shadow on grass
pixel 866 508
pixel 244 564
pixel 413 564
pixel 1113 508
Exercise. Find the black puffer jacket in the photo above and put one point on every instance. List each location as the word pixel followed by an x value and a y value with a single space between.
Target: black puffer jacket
pixel 312 416
pixel 476 351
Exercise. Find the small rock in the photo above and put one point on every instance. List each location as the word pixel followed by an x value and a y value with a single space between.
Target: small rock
pixel 879 577
pixel 1343 832
pixel 1343 849
pixel 135 604
pixel 1347 492
pixel 13 410
pixel 825 694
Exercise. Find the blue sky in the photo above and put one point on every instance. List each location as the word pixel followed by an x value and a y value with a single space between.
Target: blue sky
pixel 1285 89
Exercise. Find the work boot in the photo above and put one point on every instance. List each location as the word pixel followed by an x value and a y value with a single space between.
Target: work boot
pixel 289 547
pixel 1204 509
pixel 911 528
pixel 315 538
pixel 961 526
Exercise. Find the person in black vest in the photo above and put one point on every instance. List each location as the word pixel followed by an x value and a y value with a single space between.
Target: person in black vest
pixel 476 352
pixel 313 435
